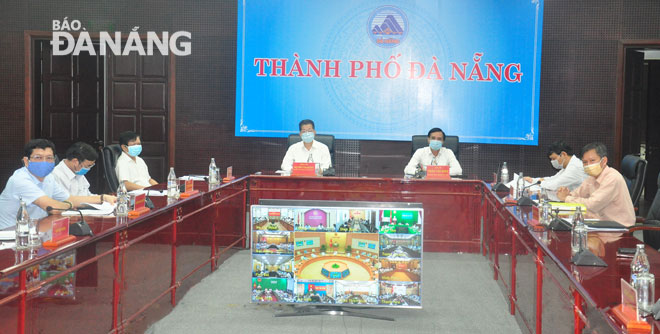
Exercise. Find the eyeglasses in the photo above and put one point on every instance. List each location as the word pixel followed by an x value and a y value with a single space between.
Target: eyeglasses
pixel 41 158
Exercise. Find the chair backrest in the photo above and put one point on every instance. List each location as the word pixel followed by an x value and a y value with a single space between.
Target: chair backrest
pixel 328 140
pixel 110 155
pixel 419 141
pixel 652 238
pixel 633 169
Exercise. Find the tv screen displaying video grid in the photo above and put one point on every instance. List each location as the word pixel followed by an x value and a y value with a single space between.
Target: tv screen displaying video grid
pixel 360 256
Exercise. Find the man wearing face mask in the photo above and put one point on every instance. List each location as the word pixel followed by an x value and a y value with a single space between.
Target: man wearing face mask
pixel 70 172
pixel 307 150
pixel 605 192
pixel 130 167
pixel 434 154
pixel 571 173
pixel 35 184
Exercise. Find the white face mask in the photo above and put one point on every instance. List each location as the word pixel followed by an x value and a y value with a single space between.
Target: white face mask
pixel 556 165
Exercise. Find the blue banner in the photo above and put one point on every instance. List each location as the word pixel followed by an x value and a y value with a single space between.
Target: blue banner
pixel 390 70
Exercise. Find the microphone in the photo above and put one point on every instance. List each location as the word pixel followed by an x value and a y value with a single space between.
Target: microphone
pixel 80 228
pixel 524 200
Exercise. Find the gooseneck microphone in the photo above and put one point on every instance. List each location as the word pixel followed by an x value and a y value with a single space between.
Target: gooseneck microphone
pixel 80 228
pixel 524 200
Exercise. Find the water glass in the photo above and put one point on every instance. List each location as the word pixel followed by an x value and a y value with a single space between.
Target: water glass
pixel 645 287
pixel 34 241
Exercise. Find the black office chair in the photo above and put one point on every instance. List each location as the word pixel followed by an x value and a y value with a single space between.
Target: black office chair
pixel 419 141
pixel 110 155
pixel 652 238
pixel 328 140
pixel 633 169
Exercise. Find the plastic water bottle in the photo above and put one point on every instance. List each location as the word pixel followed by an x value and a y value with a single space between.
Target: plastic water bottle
pixel 121 211
pixel 640 264
pixel 504 174
pixel 22 227
pixel 172 184
pixel 520 186
pixel 213 173
pixel 578 232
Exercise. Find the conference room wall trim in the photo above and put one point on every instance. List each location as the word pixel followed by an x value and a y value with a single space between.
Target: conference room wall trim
pixel 577 91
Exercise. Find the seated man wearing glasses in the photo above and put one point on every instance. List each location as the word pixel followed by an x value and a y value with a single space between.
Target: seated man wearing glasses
pixel 36 186
pixel 70 172
pixel 308 150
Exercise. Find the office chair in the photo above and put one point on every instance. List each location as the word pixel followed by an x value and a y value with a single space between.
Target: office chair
pixel 651 225
pixel 110 155
pixel 633 169
pixel 419 141
pixel 328 140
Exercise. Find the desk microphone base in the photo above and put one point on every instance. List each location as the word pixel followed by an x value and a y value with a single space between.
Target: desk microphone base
pixel 80 229
pixel 587 258
pixel 329 310
pixel 558 224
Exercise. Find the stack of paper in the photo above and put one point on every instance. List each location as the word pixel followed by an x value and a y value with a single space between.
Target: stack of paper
pixel 104 209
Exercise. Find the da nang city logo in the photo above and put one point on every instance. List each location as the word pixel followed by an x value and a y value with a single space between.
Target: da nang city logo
pixel 387 26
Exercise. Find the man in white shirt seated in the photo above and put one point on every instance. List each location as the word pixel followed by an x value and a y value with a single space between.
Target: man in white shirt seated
pixel 434 154
pixel 307 150
pixel 571 172
pixel 130 168
pixel 70 172
pixel 37 187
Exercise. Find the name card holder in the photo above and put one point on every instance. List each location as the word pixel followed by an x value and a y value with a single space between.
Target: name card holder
pixel 626 312
pixel 139 209
pixel 60 234
pixel 303 169
pixel 189 190
pixel 230 177
pixel 434 172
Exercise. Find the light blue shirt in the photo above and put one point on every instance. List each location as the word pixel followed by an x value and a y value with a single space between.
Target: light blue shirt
pixel 25 185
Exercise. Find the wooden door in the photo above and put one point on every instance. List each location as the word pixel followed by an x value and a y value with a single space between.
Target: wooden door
pixel 138 100
pixel 634 102
pixel 652 131
pixel 69 101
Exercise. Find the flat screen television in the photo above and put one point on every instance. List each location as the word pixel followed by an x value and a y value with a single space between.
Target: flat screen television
pixel 337 253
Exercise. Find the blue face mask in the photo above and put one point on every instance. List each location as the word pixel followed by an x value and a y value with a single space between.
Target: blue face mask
pixel 307 137
pixel 83 171
pixel 435 145
pixel 40 168
pixel 134 150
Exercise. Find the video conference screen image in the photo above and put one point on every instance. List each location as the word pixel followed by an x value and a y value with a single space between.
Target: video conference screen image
pixel 269 242
pixel 337 255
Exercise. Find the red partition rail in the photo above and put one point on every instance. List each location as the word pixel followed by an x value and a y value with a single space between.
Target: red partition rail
pixel 122 275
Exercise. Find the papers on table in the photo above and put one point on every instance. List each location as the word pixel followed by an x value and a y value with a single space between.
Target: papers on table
pixel 193 177
pixel 514 184
pixel 7 244
pixel 104 209
pixel 8 235
pixel 149 192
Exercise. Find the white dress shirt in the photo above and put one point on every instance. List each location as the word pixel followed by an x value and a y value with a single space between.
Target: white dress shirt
pixel 297 152
pixel 22 184
pixel 76 185
pixel 132 171
pixel 424 157
pixel 571 177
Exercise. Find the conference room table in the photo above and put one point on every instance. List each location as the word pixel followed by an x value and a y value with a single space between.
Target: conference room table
pixel 129 275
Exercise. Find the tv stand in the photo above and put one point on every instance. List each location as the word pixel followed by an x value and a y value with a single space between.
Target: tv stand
pixel 329 310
